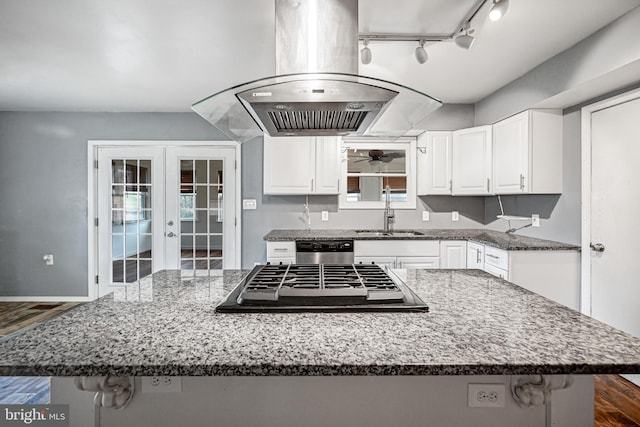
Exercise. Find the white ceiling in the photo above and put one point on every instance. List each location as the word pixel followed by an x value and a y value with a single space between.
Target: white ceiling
pixel 163 55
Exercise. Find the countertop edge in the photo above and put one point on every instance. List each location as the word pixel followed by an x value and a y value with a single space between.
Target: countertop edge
pixel 311 370
pixel 470 235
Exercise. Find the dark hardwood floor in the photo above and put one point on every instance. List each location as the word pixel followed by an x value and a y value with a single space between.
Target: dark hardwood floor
pixel 617 402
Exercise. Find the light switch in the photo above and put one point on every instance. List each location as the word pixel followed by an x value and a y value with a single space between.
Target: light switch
pixel 425 215
pixel 455 216
pixel 325 215
pixel 48 259
pixel 249 204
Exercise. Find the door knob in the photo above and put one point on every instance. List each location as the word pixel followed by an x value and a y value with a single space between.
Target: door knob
pixel 598 247
pixel 170 223
pixel 170 234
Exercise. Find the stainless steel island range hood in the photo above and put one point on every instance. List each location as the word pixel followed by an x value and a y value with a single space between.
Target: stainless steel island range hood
pixel 316 90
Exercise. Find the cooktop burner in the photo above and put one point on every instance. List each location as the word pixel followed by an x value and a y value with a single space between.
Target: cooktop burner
pixel 321 287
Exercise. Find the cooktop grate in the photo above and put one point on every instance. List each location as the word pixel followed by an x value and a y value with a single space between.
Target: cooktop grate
pixel 321 287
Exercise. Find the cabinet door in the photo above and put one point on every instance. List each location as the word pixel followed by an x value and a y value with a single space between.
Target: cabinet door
pixel 413 262
pixel 475 256
pixel 453 254
pixel 471 170
pixel 327 165
pixel 434 167
pixel 289 166
pixel 511 144
pixel 383 261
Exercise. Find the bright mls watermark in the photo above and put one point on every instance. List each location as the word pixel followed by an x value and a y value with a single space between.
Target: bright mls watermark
pixel 34 415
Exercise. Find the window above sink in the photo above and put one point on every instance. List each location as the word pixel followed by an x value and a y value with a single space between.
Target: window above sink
pixel 369 165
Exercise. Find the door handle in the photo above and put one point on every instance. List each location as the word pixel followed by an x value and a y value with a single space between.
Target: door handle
pixel 170 234
pixel 598 247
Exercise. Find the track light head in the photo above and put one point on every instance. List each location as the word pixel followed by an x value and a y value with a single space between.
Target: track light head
pixel 421 53
pixel 499 9
pixel 365 53
pixel 465 40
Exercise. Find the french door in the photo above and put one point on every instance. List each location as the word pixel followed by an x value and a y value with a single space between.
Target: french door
pixel 165 208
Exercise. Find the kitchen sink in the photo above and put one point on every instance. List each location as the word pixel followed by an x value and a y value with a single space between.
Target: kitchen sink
pixel 393 233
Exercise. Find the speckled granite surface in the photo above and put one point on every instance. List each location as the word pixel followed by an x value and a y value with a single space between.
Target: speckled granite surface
pixel 511 242
pixel 166 325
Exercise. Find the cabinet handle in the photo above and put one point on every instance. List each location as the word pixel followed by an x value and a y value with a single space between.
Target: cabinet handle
pixel 478 256
pixel 493 256
pixel 521 182
pixel 312 184
pixel 488 185
pixel 281 250
pixel 451 186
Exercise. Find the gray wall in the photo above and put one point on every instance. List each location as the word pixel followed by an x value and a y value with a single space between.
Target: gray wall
pixel 286 212
pixel 590 61
pixel 43 190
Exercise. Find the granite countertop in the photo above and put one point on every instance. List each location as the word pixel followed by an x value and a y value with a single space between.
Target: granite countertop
pixel 510 242
pixel 166 325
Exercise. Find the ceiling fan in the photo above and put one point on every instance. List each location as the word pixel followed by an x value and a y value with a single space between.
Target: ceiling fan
pixel 379 156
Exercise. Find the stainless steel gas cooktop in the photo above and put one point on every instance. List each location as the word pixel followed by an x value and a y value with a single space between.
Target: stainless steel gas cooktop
pixel 321 287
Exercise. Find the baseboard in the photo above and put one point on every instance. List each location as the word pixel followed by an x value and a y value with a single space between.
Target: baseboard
pixel 44 299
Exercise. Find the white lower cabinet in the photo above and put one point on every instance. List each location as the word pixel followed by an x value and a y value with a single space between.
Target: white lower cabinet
pixel 384 261
pixel 281 252
pixel 453 254
pixel 475 256
pixel 410 262
pixel 495 271
pixel 398 253
pixel 552 274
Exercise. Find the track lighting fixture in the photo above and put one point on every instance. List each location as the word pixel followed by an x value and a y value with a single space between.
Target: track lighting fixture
pixel 365 53
pixel 498 9
pixel 421 54
pixel 465 40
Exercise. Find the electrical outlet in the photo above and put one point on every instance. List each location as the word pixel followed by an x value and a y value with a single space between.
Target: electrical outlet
pixel 325 215
pixel 48 259
pixel 455 216
pixel 535 220
pixel 425 215
pixel 161 384
pixel 486 395
pixel 249 204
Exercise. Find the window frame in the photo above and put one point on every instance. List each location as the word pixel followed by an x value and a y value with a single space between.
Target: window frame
pixel 405 143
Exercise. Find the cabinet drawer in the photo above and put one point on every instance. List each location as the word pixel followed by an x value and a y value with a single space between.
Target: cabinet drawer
pixel 498 272
pixel 396 247
pixel 496 257
pixel 281 249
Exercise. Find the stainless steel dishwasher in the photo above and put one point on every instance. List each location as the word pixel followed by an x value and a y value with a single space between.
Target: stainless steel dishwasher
pixel 324 252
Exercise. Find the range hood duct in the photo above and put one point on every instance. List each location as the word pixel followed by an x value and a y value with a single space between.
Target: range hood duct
pixel 317 89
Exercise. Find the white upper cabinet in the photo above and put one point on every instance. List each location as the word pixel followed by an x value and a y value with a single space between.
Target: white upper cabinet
pixel 301 165
pixel 527 153
pixel 434 163
pixel 471 166
pixel 327 165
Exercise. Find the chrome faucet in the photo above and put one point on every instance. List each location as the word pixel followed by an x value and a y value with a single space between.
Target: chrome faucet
pixel 389 215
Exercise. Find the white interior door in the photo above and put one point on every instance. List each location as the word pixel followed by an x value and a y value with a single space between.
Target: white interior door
pixel 165 208
pixel 130 214
pixel 615 203
pixel 201 214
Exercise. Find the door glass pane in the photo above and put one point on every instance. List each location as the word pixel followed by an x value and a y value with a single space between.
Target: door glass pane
pixel 131 233
pixel 201 202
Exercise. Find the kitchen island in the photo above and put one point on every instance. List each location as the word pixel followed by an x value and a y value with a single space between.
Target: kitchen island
pixel 479 329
